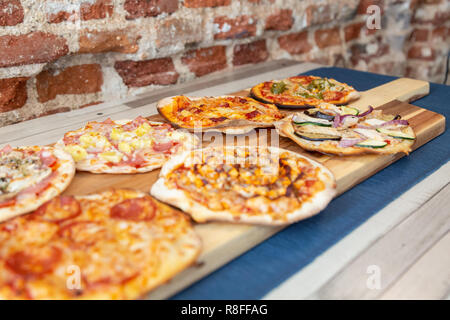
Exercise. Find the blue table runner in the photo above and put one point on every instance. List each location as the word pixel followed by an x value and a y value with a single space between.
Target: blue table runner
pixel 261 269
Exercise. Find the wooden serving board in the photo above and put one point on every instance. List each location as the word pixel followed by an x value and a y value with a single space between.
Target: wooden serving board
pixel 223 242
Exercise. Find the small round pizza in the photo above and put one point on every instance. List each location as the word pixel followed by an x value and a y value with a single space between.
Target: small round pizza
pixel 228 114
pixel 30 176
pixel 344 130
pixel 253 185
pixel 125 146
pixel 118 244
pixel 303 92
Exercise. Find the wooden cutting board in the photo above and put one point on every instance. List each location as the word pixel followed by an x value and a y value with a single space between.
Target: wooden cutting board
pixel 223 242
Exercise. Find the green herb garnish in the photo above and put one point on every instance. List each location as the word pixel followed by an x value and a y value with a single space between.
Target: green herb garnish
pixel 278 87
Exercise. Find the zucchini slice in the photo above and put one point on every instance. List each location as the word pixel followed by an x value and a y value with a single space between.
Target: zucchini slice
pixel 316 113
pixel 316 136
pixel 396 134
pixel 307 123
pixel 349 110
pixel 370 143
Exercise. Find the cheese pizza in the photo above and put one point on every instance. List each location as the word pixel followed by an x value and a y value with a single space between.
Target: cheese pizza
pixel 257 185
pixel 343 130
pixel 303 92
pixel 125 146
pixel 118 244
pixel 30 176
pixel 228 114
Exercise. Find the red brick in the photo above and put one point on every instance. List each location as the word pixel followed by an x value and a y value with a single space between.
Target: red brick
pixel 13 93
pixel 282 20
pixel 419 35
pixel 421 52
pixel 121 41
pixel 81 79
pixel 144 73
pixel 34 47
pixel 353 31
pixel 149 8
pixel 250 53
pixel 206 3
pixel 61 16
pixel 11 13
pixel 240 27
pixel 327 37
pixel 205 60
pixel 364 4
pixel 295 43
pixel 441 33
pixel 98 10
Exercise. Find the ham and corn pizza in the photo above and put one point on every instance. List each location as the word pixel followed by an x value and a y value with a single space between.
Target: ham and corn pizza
pixel 303 92
pixel 125 146
pixel 29 176
pixel 228 114
pixel 257 185
pixel 118 244
pixel 343 130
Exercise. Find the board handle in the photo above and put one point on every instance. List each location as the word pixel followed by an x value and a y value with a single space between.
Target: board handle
pixel 402 89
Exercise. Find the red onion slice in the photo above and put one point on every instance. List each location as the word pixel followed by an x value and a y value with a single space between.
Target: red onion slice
pixel 345 143
pixel 338 119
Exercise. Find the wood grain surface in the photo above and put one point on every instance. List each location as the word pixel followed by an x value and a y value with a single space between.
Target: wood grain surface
pixel 223 242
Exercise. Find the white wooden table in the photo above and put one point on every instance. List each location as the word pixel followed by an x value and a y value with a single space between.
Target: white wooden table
pixel 407 243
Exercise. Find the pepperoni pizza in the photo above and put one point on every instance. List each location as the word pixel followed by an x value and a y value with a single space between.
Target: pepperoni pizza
pixel 118 244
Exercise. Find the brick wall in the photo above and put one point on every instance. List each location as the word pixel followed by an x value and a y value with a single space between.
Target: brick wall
pixel 58 55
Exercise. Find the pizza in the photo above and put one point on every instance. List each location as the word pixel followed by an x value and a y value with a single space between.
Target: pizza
pixel 343 130
pixel 229 114
pixel 29 176
pixel 125 146
pixel 303 92
pixel 254 185
pixel 118 244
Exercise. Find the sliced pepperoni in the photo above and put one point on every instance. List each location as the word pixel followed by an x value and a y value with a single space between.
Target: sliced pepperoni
pixel 59 209
pixel 83 233
pixel 218 119
pixel 34 261
pixel 137 209
pixel 252 114
pixel 117 279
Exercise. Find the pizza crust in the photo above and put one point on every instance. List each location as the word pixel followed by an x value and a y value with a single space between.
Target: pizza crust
pixel 201 213
pixel 101 167
pixel 286 129
pixel 64 175
pixel 230 127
